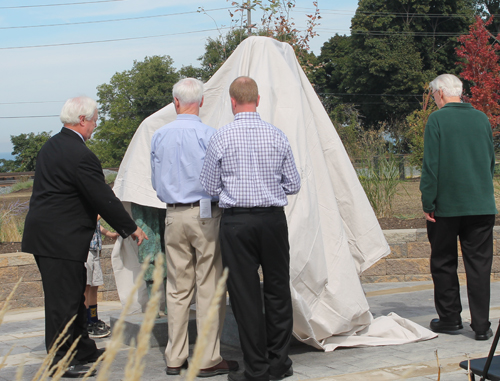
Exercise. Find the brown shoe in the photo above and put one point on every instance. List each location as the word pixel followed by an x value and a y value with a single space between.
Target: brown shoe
pixel 224 367
pixel 176 370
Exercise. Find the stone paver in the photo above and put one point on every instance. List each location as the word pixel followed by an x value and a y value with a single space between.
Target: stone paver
pixel 23 329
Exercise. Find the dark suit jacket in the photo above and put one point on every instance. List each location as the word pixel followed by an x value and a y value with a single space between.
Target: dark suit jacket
pixel 69 191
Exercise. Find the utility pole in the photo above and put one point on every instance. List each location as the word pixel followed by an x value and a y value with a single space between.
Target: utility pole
pixel 249 8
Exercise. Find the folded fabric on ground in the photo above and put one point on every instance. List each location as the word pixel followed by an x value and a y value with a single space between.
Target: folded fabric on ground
pixel 334 234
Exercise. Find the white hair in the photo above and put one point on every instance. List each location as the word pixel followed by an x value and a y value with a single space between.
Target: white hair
pixel 451 85
pixel 76 107
pixel 188 91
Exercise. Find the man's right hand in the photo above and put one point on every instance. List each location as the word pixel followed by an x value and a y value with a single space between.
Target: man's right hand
pixel 139 235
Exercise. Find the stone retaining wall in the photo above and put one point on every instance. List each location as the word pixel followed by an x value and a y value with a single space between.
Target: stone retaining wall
pixel 408 261
pixel 409 258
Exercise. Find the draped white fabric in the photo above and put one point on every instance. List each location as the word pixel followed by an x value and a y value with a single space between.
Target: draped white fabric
pixel 334 234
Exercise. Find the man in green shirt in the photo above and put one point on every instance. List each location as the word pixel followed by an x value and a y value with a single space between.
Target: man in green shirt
pixel 458 200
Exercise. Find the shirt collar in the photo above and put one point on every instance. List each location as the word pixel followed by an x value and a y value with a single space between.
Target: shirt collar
pixel 188 117
pixel 76 132
pixel 247 115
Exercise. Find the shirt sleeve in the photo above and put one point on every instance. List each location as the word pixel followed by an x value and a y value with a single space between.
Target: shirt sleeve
pixel 152 158
pixel 430 166
pixel 290 180
pixel 210 177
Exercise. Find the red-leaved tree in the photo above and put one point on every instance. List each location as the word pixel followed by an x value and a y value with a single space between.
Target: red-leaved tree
pixel 481 69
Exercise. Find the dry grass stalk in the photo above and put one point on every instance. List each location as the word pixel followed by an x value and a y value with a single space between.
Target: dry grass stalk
pixel 439 366
pixel 43 371
pixel 20 371
pixel 212 316
pixel 4 360
pixel 408 372
pixel 59 369
pixel 135 365
pixel 5 306
pixel 116 341
pixel 469 373
pixel 94 366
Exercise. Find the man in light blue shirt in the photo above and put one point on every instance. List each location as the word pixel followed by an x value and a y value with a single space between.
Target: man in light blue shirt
pixel 191 229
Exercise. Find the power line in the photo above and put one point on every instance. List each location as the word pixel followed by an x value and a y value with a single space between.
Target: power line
pixel 59 5
pixel 28 116
pixel 390 33
pixel 111 40
pixel 109 20
pixel 24 102
pixel 398 14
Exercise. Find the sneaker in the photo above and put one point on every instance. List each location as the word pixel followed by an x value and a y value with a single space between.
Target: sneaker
pixel 96 332
pixel 102 325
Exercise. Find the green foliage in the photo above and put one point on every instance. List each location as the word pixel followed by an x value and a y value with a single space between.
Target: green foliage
pixel 11 220
pixel 26 147
pixel 7 165
pixel 217 51
pixel 25 184
pixel 416 122
pixel 111 178
pixel 126 101
pixel 395 46
pixel 379 177
pixel 345 118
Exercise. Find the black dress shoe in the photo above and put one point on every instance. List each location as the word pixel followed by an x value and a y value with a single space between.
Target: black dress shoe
pixel 77 371
pixel 94 357
pixel 288 373
pixel 484 335
pixel 445 326
pixel 237 376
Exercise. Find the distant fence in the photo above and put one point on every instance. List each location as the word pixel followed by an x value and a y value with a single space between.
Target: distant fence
pixel 9 178
pixel 406 171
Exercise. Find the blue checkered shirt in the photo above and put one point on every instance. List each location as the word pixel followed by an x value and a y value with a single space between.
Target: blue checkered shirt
pixel 249 163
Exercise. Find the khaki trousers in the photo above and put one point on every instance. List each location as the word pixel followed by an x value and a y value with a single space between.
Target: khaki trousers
pixel 193 260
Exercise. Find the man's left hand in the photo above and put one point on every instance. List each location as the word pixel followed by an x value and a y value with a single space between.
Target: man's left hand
pixel 139 235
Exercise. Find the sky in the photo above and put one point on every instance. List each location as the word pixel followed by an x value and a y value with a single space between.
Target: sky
pixel 43 63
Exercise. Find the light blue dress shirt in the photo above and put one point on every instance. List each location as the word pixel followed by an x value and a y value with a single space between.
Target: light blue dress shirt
pixel 177 155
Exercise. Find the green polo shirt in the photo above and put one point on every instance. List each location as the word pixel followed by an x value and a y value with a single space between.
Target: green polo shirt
pixel 457 171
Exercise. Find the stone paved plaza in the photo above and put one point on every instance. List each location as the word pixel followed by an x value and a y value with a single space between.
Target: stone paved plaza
pixel 23 330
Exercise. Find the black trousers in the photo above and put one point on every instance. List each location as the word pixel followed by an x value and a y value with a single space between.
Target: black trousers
pixel 476 240
pixel 64 284
pixel 247 241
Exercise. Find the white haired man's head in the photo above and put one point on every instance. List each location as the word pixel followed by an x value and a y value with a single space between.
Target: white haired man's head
pixel 76 107
pixel 451 85
pixel 188 91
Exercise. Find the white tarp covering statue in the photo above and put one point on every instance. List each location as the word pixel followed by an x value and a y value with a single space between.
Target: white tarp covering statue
pixel 333 232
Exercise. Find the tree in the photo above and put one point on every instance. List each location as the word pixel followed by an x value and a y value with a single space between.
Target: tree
pixel 218 50
pixel 416 122
pixel 481 68
pixel 26 147
pixel 129 98
pixel 395 47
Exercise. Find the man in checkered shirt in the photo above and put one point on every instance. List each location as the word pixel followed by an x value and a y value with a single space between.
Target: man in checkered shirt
pixel 249 164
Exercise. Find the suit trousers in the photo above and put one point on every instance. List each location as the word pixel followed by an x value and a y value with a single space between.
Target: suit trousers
pixel 476 240
pixel 193 260
pixel 64 284
pixel 250 240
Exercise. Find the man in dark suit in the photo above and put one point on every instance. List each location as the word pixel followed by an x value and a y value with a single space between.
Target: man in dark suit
pixel 69 191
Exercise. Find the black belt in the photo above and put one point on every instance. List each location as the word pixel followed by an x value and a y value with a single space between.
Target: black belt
pixel 191 204
pixel 269 209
